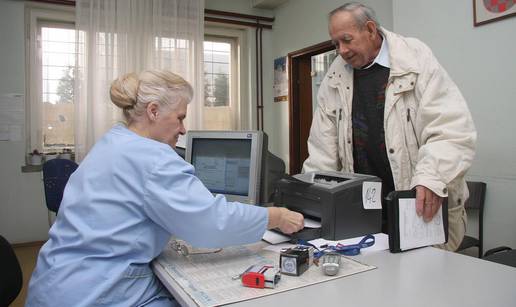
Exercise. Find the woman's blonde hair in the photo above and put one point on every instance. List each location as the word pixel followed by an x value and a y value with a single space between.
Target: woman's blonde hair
pixel 132 92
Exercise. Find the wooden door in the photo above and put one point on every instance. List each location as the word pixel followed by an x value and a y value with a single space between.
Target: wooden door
pixel 300 103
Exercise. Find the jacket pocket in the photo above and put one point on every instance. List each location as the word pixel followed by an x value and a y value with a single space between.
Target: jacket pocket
pixel 132 282
pixel 409 116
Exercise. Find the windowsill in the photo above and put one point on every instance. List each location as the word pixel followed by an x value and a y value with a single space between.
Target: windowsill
pixel 31 168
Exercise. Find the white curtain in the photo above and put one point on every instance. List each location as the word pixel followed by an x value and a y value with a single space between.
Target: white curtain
pixel 121 36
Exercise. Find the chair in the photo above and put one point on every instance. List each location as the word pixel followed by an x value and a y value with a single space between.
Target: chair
pixel 11 278
pixel 55 176
pixel 477 196
pixel 503 255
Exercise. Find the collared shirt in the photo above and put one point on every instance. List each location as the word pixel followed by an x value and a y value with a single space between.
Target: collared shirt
pixel 382 58
pixel 119 209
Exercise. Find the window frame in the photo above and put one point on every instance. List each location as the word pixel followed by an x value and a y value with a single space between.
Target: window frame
pixel 234 101
pixel 241 112
pixel 36 14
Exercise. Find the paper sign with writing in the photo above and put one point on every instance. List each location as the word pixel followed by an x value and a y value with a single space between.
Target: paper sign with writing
pixel 372 195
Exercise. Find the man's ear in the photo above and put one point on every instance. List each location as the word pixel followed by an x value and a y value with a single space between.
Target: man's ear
pixel 152 111
pixel 371 27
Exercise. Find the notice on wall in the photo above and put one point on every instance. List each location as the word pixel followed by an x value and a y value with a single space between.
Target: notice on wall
pixel 12 116
pixel 280 80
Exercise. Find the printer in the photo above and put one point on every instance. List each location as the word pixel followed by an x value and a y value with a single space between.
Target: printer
pixel 332 198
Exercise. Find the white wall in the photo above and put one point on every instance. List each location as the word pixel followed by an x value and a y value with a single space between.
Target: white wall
pixel 481 60
pixel 23 214
pixel 237 6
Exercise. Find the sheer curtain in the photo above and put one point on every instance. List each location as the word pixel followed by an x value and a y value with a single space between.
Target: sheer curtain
pixel 120 36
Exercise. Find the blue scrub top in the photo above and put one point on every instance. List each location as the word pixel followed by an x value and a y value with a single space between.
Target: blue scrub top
pixel 119 209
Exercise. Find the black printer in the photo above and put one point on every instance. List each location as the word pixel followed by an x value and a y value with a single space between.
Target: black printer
pixel 332 198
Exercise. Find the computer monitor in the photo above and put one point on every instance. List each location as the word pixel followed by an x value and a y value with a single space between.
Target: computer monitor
pixel 236 164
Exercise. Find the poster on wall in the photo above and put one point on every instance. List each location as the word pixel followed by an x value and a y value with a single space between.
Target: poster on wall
pixel 12 116
pixel 280 86
pixel 486 11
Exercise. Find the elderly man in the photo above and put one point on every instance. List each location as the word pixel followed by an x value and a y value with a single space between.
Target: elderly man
pixel 386 107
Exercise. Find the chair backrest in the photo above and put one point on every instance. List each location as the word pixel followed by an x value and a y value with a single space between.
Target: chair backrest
pixel 477 195
pixel 476 200
pixel 55 176
pixel 11 277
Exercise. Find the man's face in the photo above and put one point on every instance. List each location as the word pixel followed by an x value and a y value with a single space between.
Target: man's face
pixel 358 47
pixel 169 125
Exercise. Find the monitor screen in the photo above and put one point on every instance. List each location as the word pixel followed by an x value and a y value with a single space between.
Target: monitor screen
pixel 223 165
pixel 228 162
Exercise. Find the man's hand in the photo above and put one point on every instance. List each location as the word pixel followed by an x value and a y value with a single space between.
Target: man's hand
pixel 427 203
pixel 287 221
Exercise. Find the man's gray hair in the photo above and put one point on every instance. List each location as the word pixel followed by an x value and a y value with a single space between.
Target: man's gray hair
pixel 361 12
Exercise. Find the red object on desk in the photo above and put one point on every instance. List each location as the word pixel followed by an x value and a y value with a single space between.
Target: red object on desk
pixel 253 280
pixel 261 276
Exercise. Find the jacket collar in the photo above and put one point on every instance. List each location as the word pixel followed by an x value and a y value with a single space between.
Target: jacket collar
pixel 403 60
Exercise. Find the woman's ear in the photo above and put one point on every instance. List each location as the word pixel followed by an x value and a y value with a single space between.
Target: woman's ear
pixel 152 111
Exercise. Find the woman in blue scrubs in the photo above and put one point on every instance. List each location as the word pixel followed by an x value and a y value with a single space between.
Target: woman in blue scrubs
pixel 126 199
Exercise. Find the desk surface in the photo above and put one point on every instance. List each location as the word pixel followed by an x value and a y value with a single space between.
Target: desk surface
pixel 424 277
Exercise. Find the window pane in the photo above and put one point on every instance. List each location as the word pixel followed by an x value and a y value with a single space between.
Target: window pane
pixel 217 73
pixel 220 68
pixel 58 73
pixel 220 57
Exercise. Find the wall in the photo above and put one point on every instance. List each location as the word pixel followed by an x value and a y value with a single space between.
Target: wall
pixel 23 214
pixel 299 24
pixel 237 6
pixel 481 61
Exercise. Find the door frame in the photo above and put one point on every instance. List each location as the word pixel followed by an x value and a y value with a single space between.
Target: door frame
pixel 294 60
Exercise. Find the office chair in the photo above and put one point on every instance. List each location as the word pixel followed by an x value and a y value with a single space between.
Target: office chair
pixel 502 254
pixel 477 196
pixel 55 176
pixel 11 278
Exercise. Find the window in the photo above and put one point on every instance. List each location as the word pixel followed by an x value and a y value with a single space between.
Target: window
pixel 58 73
pixel 217 73
pixel 220 83
pixel 51 66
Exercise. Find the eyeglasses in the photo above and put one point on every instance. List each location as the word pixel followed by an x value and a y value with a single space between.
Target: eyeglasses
pixel 185 249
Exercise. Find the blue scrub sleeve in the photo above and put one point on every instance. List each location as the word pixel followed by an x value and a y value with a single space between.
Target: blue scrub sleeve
pixel 179 202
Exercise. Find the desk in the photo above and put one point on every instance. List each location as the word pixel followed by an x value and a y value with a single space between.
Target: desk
pixel 424 277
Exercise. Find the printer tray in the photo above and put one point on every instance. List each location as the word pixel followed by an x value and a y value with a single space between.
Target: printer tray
pixel 306 234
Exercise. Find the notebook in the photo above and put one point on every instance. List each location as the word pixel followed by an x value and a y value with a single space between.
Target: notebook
pixel 407 230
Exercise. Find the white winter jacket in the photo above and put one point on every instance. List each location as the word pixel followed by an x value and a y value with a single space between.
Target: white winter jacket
pixel 429 133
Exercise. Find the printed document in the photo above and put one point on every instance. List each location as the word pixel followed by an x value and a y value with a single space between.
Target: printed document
pixel 414 231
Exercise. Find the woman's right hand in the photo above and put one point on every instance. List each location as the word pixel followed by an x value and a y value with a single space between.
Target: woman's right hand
pixel 287 221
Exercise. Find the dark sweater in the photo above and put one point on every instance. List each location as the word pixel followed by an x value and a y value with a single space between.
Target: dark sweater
pixel 369 152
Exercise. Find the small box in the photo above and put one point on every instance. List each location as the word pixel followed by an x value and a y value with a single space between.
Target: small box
pixel 296 260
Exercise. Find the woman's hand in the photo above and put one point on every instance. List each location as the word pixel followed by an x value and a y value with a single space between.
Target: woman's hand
pixel 287 221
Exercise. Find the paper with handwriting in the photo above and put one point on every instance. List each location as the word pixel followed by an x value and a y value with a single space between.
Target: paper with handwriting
pixel 414 231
